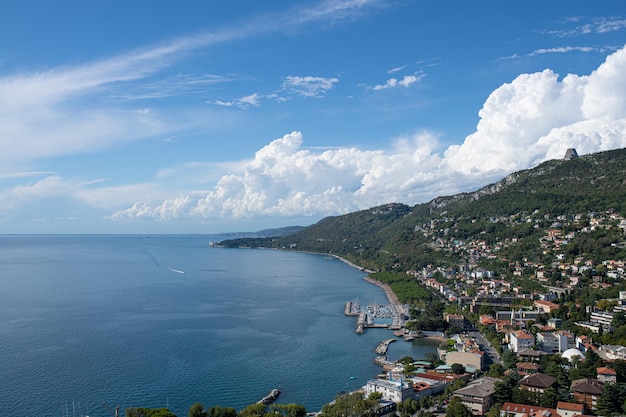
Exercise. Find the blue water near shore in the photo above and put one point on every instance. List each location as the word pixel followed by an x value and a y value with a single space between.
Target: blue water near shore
pixel 166 321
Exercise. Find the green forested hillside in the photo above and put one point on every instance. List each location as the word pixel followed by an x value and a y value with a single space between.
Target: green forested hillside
pixel 393 235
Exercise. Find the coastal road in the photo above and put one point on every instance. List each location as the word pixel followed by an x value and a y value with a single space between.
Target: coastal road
pixel 485 346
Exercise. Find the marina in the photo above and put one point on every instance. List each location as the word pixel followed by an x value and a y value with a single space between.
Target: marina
pixel 382 316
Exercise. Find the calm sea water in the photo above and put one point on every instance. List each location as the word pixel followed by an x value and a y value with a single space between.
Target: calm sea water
pixel 166 321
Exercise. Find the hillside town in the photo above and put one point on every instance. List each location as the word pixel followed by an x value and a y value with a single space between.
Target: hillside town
pixel 524 341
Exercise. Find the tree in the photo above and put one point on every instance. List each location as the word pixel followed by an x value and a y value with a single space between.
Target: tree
pixel 620 368
pixel 350 405
pixel 197 410
pixel 289 410
pixel 509 360
pixel 149 412
pixel 611 400
pixel 217 411
pixel 496 370
pixel 375 396
pixel 549 398
pixel 457 409
pixel 503 390
pixel 408 407
pixel 457 368
pixel 253 410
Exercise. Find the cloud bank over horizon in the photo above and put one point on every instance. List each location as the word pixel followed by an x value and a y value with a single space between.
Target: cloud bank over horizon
pixel 534 118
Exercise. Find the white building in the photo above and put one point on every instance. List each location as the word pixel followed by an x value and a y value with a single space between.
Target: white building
pixel 556 342
pixel 520 340
pixel 392 390
pixel 603 318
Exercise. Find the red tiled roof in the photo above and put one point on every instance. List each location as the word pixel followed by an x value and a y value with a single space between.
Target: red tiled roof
pixel 562 405
pixel 607 371
pixel 520 334
pixel 530 410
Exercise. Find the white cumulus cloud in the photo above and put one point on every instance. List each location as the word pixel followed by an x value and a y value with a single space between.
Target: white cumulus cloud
pixel 533 118
pixel 309 86
pixel 537 117
pixel 406 81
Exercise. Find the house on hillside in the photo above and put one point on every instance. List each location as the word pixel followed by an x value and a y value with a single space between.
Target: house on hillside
pixel 478 395
pixel 527 368
pixel 587 391
pixel 509 409
pixel 607 375
pixel 537 382
pixel 520 340
pixel 565 409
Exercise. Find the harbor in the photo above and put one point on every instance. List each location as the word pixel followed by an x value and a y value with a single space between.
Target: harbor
pixel 382 316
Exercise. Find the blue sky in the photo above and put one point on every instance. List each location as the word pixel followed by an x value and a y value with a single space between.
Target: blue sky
pixel 207 117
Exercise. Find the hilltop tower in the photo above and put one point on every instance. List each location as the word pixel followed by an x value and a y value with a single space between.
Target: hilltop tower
pixel 570 154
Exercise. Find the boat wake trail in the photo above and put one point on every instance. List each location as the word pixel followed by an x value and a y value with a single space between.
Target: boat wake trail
pixel 178 271
pixel 154 259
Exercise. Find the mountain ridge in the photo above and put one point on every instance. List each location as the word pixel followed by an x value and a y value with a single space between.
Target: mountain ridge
pixel 388 235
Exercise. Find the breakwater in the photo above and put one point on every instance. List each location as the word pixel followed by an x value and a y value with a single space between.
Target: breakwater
pixel 382 347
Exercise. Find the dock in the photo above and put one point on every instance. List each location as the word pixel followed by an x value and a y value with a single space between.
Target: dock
pixel 375 316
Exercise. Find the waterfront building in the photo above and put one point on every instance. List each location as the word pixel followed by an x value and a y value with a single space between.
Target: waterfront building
pixel 391 390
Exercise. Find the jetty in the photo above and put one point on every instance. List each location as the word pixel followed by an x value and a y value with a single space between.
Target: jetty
pixel 360 323
pixel 270 398
pixel 352 309
pixel 382 347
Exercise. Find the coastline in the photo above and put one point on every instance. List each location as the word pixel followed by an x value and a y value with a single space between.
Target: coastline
pixel 391 297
